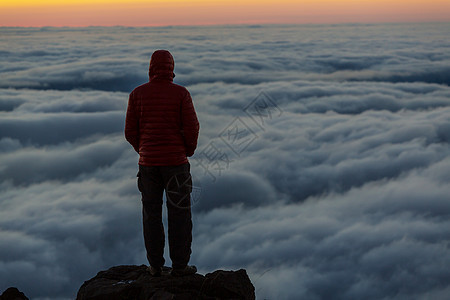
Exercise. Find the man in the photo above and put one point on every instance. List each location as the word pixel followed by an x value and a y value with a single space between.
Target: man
pixel 162 126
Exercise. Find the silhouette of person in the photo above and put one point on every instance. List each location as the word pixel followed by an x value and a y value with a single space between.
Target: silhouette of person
pixel 162 126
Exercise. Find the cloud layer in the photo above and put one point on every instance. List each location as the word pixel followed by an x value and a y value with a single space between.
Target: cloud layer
pixel 330 175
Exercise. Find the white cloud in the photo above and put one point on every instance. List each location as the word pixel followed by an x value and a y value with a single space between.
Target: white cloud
pixel 379 240
pixel 343 193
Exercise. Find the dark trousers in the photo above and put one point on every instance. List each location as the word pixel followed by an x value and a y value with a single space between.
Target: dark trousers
pixel 177 183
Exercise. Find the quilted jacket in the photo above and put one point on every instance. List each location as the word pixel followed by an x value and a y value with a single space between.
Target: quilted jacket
pixel 161 123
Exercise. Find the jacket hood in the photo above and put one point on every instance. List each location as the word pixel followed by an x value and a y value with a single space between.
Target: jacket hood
pixel 161 65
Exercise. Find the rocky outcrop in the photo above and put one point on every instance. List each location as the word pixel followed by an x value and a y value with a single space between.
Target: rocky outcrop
pixel 13 293
pixel 134 282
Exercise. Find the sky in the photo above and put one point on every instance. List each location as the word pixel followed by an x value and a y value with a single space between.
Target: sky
pixel 336 187
pixel 201 12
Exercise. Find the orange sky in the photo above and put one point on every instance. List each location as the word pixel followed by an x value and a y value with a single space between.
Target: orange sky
pixel 198 12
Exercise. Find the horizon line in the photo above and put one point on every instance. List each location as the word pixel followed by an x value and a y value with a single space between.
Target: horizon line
pixel 232 24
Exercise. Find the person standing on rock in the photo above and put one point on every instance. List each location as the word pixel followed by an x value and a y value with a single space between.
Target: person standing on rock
pixel 162 126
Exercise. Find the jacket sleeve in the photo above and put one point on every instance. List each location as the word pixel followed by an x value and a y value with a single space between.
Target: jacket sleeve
pixel 132 123
pixel 190 125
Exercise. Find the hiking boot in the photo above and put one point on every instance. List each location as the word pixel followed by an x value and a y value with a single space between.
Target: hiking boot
pixel 188 270
pixel 154 271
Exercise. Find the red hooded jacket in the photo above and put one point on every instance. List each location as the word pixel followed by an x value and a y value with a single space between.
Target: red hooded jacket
pixel 161 123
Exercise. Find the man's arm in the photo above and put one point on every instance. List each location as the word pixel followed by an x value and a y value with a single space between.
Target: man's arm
pixel 132 124
pixel 190 125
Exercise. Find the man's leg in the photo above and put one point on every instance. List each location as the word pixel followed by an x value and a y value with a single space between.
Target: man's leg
pixel 151 185
pixel 178 188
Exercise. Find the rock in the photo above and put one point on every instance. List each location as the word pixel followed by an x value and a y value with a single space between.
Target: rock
pixel 13 293
pixel 229 285
pixel 134 282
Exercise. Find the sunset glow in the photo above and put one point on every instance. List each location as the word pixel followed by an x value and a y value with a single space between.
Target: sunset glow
pixel 199 12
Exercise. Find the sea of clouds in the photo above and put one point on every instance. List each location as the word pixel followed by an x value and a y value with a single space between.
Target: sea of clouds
pixel 323 164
